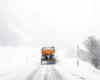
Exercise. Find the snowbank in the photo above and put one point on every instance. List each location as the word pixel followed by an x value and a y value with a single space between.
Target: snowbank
pixel 12 58
pixel 84 71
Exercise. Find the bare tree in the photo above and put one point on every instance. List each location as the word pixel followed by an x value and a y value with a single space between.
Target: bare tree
pixel 93 47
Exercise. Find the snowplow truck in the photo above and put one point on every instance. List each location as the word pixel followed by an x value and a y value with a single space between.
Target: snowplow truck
pixel 48 55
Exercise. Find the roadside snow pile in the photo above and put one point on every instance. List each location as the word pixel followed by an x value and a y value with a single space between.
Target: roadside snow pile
pixel 84 71
pixel 12 59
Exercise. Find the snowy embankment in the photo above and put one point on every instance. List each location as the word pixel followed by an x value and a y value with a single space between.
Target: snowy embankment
pixel 17 62
pixel 85 71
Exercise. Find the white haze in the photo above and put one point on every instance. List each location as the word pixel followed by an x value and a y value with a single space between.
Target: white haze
pixel 62 23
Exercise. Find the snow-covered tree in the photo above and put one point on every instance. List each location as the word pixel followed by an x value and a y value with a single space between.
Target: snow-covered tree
pixel 93 47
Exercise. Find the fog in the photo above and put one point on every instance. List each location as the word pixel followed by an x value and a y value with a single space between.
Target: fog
pixel 62 23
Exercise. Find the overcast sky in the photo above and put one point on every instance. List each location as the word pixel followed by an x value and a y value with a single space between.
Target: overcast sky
pixel 62 23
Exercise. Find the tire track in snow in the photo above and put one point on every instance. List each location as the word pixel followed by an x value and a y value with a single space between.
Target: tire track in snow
pixel 38 73
pixel 45 72
pixel 52 74
pixel 58 76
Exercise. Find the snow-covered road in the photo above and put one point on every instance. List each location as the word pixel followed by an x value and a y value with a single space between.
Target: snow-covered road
pixel 40 72
pixel 45 72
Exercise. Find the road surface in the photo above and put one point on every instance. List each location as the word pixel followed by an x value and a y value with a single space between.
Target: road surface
pixel 49 72
pixel 45 72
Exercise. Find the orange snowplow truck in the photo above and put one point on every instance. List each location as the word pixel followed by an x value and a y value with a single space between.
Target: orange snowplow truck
pixel 48 54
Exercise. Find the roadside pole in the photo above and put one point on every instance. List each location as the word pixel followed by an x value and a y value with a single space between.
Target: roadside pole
pixel 26 57
pixel 78 56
